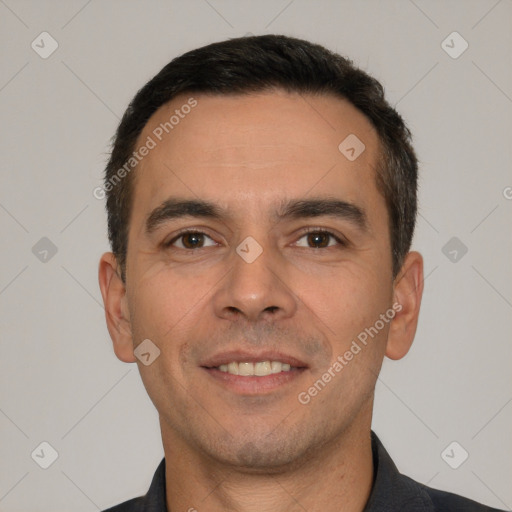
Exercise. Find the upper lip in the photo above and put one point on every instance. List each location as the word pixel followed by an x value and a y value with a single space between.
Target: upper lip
pixel 251 357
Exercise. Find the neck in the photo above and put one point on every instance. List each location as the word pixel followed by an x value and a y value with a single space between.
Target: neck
pixel 338 477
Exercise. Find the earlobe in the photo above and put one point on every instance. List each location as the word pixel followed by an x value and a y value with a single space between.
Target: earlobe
pixel 408 290
pixel 113 291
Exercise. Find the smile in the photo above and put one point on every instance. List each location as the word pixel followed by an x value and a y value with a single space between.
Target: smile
pixel 253 373
pixel 258 369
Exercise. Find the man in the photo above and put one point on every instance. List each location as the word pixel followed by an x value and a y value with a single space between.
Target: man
pixel 261 198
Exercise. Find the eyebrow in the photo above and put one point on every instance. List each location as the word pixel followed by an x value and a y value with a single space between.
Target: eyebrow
pixel 174 208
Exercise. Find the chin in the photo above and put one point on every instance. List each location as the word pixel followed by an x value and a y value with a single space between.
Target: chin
pixel 264 451
pixel 252 457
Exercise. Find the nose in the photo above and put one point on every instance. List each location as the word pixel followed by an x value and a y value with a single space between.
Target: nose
pixel 255 290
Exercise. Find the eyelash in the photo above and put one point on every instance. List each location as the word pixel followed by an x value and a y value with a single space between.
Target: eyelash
pixel 340 241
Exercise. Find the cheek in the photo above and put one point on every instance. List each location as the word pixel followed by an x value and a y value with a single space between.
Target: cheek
pixel 164 308
pixel 164 302
pixel 349 299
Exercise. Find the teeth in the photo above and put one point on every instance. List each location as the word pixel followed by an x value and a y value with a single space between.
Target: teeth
pixel 260 369
pixel 245 369
pixel 276 366
pixel 232 368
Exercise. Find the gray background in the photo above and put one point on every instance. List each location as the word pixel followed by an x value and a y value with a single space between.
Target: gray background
pixel 60 380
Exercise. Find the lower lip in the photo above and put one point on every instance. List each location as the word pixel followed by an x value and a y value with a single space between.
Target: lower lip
pixel 254 385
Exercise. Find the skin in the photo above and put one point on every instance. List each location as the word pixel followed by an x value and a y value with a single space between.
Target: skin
pixel 261 449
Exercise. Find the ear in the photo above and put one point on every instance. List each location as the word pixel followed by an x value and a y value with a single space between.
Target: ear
pixel 408 289
pixel 113 291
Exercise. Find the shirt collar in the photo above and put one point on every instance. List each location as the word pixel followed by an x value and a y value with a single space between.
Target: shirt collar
pixel 155 499
pixel 391 490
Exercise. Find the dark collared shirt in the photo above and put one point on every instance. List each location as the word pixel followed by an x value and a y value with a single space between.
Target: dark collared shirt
pixel 391 492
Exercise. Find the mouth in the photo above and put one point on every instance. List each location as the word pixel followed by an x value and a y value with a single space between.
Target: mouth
pixel 254 374
pixel 259 369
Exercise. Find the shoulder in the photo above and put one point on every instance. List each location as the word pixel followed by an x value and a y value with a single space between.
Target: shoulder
pixel 133 505
pixel 153 501
pixel 394 491
pixel 447 501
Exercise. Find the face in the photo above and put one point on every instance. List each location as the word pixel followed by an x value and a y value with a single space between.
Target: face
pixel 258 253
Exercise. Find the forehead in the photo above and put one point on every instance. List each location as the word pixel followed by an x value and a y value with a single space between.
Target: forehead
pixel 262 145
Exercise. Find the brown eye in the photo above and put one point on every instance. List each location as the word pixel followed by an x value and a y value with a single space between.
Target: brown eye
pixel 319 240
pixel 191 240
